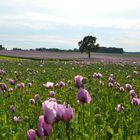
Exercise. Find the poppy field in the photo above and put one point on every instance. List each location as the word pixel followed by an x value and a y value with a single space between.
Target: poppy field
pixel 69 100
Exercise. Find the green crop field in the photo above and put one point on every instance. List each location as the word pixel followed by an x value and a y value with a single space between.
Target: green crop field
pixel 101 104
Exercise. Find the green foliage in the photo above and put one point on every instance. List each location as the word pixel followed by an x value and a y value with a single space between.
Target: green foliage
pixel 87 44
pixel 2 48
pixel 95 121
pixel 110 50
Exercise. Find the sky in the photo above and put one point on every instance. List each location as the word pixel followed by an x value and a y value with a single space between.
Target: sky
pixel 30 24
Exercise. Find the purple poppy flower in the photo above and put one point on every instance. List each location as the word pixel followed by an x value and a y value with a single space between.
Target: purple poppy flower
pixel 67 113
pixel 3 87
pixel 128 87
pixel 122 89
pixel 78 81
pixel 97 75
pixel 12 82
pixel 31 134
pixel 117 84
pixel 111 80
pixel 52 94
pixel 110 84
pixel 2 72
pixel 12 108
pixel 32 101
pixel 135 101
pixel 22 85
pixel 132 94
pixel 120 108
pixel 83 96
pixel 37 97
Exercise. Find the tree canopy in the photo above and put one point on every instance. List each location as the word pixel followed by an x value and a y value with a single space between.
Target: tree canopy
pixel 2 48
pixel 87 44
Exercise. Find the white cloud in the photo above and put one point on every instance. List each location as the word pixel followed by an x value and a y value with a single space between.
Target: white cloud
pixel 122 15
pixel 96 13
pixel 39 20
pixel 39 38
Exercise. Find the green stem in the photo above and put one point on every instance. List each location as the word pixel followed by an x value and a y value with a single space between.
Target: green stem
pixel 68 130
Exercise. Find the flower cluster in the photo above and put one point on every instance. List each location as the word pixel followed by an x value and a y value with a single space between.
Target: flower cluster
pixel 53 113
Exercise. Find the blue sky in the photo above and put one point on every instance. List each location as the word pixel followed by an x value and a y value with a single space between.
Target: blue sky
pixel 62 23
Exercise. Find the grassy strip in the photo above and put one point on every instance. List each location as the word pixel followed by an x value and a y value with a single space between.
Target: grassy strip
pixel 4 57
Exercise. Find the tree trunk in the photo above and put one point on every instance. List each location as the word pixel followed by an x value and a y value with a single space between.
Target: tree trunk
pixel 89 53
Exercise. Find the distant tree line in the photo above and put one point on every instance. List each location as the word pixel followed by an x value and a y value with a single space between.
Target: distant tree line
pixel 2 48
pixel 55 50
pixel 109 50
pixel 19 49
pixel 99 50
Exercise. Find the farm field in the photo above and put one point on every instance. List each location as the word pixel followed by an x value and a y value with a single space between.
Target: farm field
pixel 95 57
pixel 69 99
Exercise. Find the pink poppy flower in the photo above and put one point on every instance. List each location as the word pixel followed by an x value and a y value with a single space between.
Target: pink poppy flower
pixel 119 108
pixel 30 85
pixel 60 84
pixel 10 89
pixel 50 111
pixel 48 85
pixel 110 84
pixel 43 129
pixel 16 119
pixel 97 75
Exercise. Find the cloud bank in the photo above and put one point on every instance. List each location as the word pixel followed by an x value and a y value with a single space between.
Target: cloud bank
pixel 61 23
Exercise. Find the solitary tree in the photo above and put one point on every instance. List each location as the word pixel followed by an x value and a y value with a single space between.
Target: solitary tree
pixel 88 44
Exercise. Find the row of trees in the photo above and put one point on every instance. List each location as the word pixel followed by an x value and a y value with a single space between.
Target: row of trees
pixel 48 50
pixel 109 50
pixel 98 50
